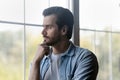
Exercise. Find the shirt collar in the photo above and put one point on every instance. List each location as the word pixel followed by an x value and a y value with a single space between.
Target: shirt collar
pixel 68 52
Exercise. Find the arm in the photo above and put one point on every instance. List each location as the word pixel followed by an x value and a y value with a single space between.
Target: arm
pixel 35 68
pixel 87 67
pixel 35 71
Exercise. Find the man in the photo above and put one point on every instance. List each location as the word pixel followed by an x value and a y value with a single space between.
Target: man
pixel 62 60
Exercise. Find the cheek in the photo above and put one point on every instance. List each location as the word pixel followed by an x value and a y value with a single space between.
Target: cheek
pixel 54 34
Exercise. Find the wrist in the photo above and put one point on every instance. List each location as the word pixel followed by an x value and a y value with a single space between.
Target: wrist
pixel 36 62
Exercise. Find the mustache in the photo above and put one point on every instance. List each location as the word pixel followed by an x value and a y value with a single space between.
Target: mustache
pixel 45 37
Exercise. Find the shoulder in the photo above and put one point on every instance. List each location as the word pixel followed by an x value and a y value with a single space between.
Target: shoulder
pixel 86 64
pixel 83 55
pixel 81 52
pixel 78 52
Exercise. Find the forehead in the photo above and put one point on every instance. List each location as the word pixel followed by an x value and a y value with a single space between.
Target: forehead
pixel 50 19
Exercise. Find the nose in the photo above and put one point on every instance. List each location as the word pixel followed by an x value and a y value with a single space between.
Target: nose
pixel 44 31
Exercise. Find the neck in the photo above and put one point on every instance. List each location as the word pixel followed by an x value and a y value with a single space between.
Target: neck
pixel 61 47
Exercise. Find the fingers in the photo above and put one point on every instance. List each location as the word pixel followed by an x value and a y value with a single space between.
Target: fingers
pixel 41 51
pixel 45 48
pixel 44 45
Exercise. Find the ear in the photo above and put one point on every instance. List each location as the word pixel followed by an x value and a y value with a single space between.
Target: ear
pixel 64 30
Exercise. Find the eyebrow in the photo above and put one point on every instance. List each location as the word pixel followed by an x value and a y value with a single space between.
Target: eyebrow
pixel 48 25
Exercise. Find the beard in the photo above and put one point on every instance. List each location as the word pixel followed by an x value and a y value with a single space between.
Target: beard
pixel 52 41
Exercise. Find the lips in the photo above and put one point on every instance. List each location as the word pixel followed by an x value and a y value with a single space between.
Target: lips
pixel 45 38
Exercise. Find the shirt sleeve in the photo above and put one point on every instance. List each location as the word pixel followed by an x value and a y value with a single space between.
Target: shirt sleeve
pixel 86 67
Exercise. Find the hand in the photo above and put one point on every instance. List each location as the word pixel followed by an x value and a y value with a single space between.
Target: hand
pixel 42 50
pixel 35 68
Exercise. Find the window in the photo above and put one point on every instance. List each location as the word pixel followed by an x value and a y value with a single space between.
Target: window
pixel 20 33
pixel 11 52
pixel 99 32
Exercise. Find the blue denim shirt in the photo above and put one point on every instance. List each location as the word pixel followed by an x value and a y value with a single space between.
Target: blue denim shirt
pixel 76 64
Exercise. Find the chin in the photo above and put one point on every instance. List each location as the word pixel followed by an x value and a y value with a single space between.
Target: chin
pixel 49 43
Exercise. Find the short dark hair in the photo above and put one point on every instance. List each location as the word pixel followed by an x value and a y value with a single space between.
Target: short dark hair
pixel 64 17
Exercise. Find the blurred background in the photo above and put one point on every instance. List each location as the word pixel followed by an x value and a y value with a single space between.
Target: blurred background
pixel 97 27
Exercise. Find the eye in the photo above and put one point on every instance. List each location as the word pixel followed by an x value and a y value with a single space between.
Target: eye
pixel 49 26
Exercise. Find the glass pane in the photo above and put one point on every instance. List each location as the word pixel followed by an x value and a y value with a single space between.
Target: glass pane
pixel 87 40
pixel 116 28
pixel 116 56
pixel 63 3
pixel 33 39
pixel 11 52
pixel 105 18
pixel 34 9
pixel 103 55
pixel 12 10
pixel 99 14
pixel 115 13
pixel 99 43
